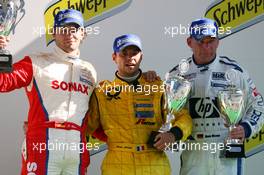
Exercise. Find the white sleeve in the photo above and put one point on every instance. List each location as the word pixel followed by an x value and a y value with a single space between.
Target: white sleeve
pixel 253 120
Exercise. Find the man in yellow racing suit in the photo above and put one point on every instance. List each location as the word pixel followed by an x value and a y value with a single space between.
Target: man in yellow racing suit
pixel 128 109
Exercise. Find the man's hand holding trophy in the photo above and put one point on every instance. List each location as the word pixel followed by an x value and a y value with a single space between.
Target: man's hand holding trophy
pixel 232 107
pixel 177 90
pixel 8 15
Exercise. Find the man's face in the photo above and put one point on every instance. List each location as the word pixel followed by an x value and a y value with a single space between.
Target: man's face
pixel 205 49
pixel 69 37
pixel 128 61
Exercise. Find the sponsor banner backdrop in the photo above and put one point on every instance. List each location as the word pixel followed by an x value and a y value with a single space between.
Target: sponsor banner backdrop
pixel 98 146
pixel 235 14
pixel 92 10
pixel 255 144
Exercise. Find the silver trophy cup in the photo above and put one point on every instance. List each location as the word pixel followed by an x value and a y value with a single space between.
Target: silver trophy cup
pixel 232 106
pixel 8 15
pixel 177 90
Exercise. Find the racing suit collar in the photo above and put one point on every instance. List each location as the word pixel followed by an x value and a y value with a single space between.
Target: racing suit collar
pixel 201 65
pixel 61 54
pixel 135 82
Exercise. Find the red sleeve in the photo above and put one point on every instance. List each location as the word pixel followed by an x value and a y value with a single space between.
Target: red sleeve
pixel 21 76
pixel 99 134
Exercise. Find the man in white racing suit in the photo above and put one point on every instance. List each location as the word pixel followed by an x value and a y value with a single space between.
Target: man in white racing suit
pixel 207 75
pixel 58 86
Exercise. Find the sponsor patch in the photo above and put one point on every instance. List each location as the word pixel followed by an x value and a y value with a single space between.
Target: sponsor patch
pixel 114 93
pixel 203 108
pixel 200 136
pixel 143 105
pixel 144 114
pixel 70 86
pixel 87 77
pixel 190 76
pixel 218 85
pixel 144 122
pixel 140 148
pixel 218 76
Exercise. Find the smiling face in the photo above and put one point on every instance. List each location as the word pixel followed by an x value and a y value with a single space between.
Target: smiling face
pixel 69 37
pixel 128 61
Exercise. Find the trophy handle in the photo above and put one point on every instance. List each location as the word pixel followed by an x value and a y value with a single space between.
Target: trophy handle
pixel 23 11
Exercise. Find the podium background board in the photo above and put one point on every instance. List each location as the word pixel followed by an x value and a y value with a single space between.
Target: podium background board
pixel 255 144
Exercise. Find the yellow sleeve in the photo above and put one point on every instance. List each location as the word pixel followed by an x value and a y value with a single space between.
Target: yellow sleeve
pixel 93 114
pixel 183 121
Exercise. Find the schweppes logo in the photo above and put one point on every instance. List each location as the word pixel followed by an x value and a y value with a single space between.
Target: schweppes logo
pixel 92 10
pixel 236 14
pixel 255 144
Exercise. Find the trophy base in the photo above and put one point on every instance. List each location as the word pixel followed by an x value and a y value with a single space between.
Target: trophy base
pixel 152 137
pixel 6 63
pixel 234 151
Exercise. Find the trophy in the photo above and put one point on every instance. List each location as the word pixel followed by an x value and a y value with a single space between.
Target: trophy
pixel 8 14
pixel 176 95
pixel 232 107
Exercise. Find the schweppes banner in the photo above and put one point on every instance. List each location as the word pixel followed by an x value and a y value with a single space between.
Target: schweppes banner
pixel 97 146
pixel 92 10
pixel 235 14
pixel 255 144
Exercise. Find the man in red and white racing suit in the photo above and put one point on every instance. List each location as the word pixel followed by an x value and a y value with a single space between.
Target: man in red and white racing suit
pixel 58 86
